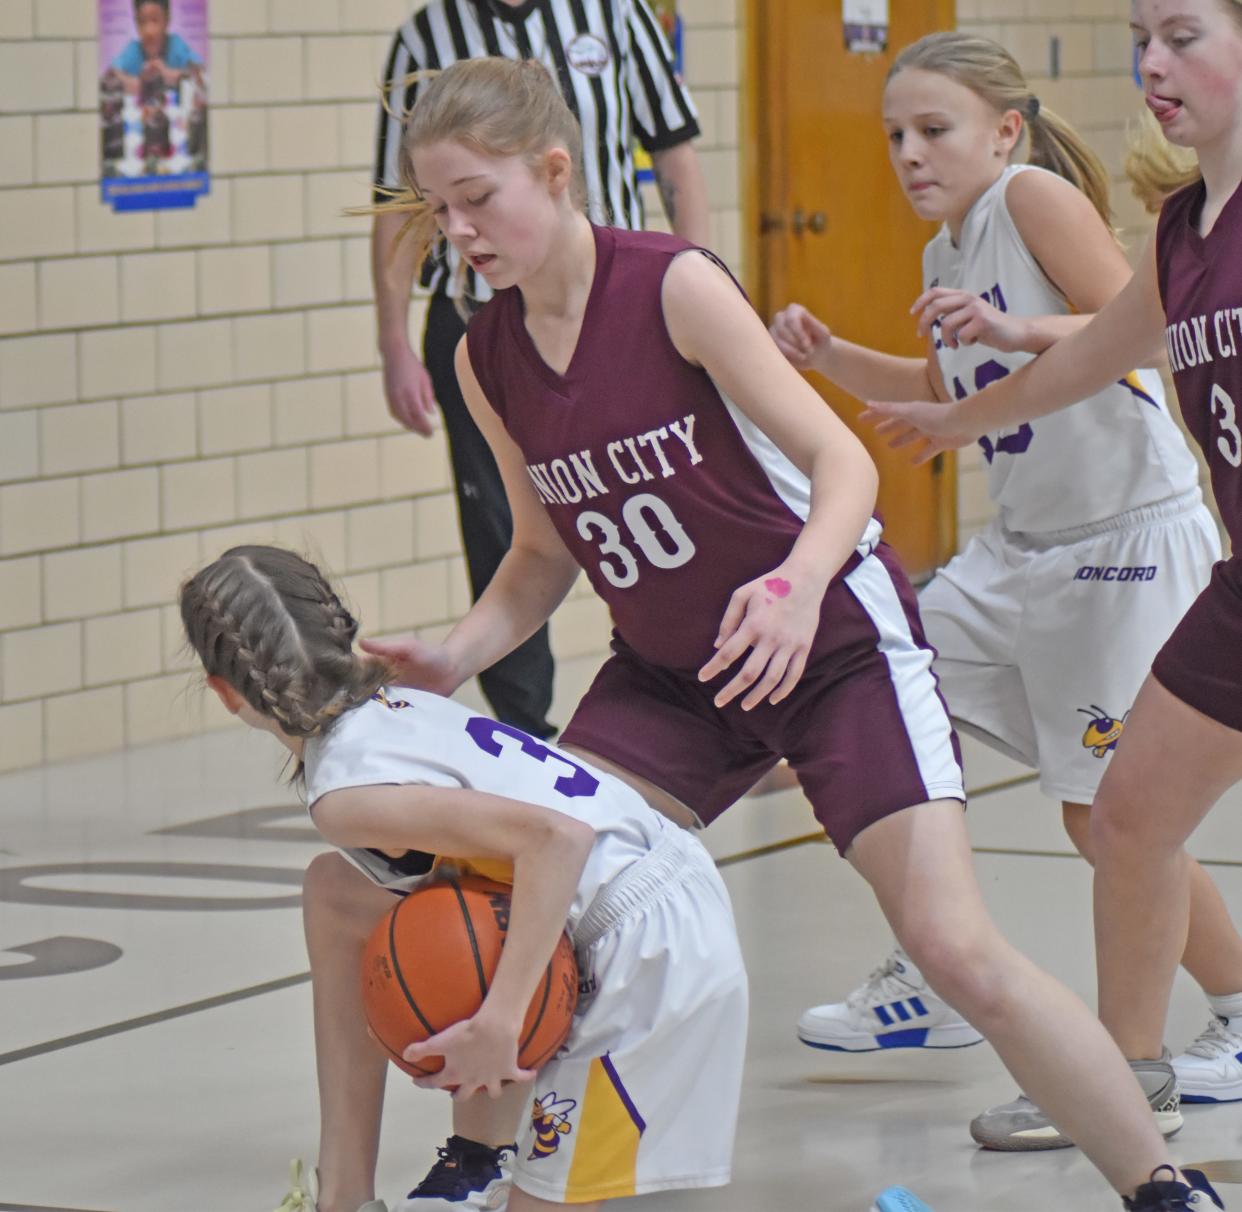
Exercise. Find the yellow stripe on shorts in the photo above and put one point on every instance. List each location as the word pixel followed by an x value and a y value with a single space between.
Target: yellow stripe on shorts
pixel 605 1161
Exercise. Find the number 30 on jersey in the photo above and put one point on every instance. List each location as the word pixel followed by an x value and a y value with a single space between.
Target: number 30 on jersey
pixel 650 526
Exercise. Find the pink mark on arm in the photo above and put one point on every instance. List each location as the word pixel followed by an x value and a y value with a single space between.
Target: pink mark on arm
pixel 779 586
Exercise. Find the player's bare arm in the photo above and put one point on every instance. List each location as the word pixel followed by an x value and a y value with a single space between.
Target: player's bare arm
pixel 548 851
pixel 771 621
pixel 865 373
pixel 1116 340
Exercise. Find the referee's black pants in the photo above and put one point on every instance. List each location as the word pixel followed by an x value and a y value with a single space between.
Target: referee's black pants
pixel 518 686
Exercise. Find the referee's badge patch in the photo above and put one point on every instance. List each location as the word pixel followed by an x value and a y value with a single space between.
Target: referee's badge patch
pixel 588 54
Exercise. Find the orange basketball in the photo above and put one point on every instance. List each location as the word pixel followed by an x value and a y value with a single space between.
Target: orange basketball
pixel 428 964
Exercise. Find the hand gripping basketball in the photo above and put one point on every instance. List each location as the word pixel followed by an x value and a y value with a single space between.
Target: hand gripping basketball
pixel 428 965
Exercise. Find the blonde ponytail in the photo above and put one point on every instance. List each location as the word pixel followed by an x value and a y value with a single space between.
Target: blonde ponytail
pixel 1155 167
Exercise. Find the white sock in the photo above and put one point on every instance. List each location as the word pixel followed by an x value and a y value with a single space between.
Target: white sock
pixel 1227 1006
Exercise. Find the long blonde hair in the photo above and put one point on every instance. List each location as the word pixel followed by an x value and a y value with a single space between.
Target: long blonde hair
pixel 991 72
pixel 1155 167
pixel 499 107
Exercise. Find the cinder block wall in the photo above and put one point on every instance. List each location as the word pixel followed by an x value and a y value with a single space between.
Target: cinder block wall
pixel 172 383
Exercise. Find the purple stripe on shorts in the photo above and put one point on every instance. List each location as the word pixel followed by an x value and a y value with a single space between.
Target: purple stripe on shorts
pixel 622 1094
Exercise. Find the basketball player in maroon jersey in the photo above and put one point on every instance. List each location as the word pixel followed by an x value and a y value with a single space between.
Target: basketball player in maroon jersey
pixel 649 431
pixel 1182 747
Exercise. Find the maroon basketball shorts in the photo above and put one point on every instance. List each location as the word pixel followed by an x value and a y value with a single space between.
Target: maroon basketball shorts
pixel 866 730
pixel 1201 662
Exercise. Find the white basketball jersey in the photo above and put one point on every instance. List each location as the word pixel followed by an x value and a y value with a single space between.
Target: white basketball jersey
pixel 407 736
pixel 1113 452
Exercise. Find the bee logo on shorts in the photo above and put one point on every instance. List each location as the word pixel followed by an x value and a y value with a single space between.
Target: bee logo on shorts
pixel 1103 732
pixel 550 1117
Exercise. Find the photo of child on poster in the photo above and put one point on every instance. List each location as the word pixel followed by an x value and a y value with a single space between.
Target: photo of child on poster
pixel 153 102
pixel 866 26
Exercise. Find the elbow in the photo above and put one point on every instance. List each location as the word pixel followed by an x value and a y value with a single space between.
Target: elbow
pixel 571 840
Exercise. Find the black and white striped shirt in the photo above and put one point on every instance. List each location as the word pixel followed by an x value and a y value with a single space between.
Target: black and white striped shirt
pixel 614 68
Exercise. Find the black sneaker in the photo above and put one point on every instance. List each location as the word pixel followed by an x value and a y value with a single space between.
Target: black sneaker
pixel 469 1177
pixel 1169 1195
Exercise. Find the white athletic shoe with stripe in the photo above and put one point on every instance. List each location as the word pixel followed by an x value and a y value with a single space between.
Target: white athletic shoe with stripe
pixel 893 1008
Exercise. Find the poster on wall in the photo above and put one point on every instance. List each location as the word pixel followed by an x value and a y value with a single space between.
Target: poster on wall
pixel 866 26
pixel 153 87
pixel 670 23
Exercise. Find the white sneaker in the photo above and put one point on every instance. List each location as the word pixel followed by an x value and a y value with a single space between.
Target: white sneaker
pixel 894 1008
pixel 304 1192
pixel 1210 1070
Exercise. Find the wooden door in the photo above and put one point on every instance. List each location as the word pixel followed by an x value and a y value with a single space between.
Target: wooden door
pixel 827 225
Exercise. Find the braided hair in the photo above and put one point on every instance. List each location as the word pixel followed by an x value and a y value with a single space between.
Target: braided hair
pixel 268 623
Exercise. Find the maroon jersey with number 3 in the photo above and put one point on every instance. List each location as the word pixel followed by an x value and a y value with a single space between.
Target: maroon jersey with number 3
pixel 1201 288
pixel 664 491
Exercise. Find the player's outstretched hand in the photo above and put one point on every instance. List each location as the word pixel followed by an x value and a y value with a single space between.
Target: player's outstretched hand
pixel 416 663
pixel 927 425
pixel 774 619
pixel 966 319
pixel 800 336
pixel 408 390
pixel 479 1054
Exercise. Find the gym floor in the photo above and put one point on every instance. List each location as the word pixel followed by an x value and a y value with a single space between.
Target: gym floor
pixel 155 1041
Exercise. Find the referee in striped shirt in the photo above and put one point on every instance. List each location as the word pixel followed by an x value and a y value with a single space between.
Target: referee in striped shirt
pixel 616 72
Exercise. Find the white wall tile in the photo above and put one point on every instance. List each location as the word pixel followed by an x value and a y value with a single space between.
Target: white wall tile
pixel 16 149
pixel 66 148
pixel 269 347
pixel 80 437
pixel 308 273
pixel 344 473
pixel 19 445
pixel 84 724
pixel 234 279
pixel 21 592
pixel 154 568
pixel 302 136
pixel 120 504
pixel 380 534
pixel 66 18
pixel 117 361
pixel 41 661
pixel 155 428
pixel 208 221
pixel 21 730
pixel 160 709
pixel 411 465
pixel 239 139
pixel 268 207
pixel 36 76
pixel 266 69
pixel 308 410
pixel 239 17
pixel 158 286
pixel 80 583
pixel 78 292
pixel 320 537
pixel 304 16
pixel 17 19
pixel 102 229
pixel 122 647
pixel 271 483
pixel 36 222
pixel 329 196
pixel 38 516
pixel 341 338
pixel 436 526
pixel 197 354
pixel 202 493
pixel 345 68
pixel 235 418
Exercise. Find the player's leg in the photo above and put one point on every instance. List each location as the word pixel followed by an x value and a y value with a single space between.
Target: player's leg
pixel 1171 766
pixel 970 615
pixel 919 864
pixel 520 1201
pixel 340 907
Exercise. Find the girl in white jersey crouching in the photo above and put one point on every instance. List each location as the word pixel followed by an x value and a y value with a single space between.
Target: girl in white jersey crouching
pixel 1047 623
pixel 642 1101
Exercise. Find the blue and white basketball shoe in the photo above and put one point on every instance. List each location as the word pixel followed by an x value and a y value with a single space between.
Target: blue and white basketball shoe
pixel 893 1008
pixel 468 1177
pixel 1210 1070
pixel 898 1199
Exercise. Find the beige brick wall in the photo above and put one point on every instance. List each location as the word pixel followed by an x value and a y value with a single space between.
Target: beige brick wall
pixel 172 383
pixel 1095 91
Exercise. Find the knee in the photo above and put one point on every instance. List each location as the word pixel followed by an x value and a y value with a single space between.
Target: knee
pixel 964 970
pixel 335 892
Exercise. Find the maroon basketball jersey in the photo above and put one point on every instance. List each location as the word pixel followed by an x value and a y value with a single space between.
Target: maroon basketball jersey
pixel 1202 293
pixel 662 489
